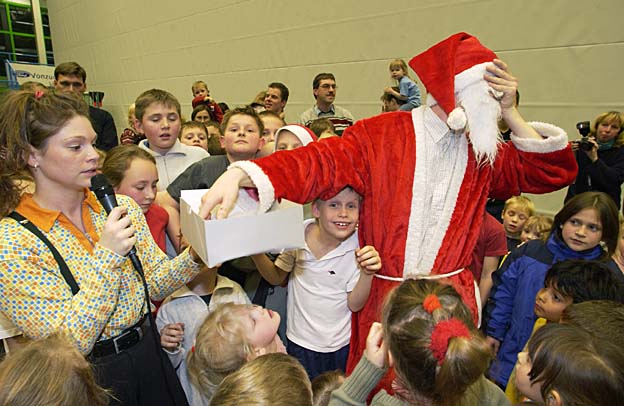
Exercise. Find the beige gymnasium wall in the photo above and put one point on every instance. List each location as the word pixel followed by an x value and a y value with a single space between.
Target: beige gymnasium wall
pixel 568 54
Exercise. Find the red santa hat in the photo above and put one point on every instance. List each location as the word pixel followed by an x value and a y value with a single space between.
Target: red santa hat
pixel 448 68
pixel 304 134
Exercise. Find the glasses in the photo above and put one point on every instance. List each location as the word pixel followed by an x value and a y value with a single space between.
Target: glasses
pixel 328 86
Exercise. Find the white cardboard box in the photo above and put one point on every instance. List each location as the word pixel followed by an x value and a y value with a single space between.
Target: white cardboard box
pixel 243 233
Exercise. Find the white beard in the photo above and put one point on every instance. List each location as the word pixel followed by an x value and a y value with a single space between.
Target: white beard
pixel 482 112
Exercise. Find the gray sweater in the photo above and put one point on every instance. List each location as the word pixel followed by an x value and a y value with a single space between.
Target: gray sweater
pixel 366 376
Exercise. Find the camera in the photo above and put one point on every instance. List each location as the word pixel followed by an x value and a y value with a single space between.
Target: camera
pixel 583 129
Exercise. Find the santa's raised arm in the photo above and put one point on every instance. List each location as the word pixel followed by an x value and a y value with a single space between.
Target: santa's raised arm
pixel 424 175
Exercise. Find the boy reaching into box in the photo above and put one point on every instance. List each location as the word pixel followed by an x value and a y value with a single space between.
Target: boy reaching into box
pixel 329 278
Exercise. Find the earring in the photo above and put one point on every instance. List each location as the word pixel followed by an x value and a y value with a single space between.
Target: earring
pixel 36 166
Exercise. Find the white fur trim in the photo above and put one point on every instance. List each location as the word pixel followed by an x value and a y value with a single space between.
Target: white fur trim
pixel 465 79
pixel 555 139
pixel 470 76
pixel 266 192
pixel 438 174
pixel 457 119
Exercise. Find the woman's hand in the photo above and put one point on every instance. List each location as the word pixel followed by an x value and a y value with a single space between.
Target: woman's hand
pixel 592 153
pixel 118 234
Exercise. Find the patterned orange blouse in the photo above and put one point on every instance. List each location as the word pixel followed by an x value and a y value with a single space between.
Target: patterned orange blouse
pixel 36 298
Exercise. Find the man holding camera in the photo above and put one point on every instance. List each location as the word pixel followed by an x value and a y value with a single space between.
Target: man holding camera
pixel 600 156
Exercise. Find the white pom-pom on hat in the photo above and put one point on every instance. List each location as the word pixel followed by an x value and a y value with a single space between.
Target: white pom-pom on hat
pixel 457 119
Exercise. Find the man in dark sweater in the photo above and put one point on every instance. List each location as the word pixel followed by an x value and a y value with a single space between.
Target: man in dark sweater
pixel 71 77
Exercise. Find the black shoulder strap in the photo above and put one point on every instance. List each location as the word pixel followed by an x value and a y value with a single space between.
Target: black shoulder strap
pixel 67 275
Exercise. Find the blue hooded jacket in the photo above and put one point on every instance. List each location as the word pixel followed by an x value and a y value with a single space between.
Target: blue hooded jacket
pixel 509 314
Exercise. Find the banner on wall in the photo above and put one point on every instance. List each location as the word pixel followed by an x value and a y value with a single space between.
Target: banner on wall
pixel 19 72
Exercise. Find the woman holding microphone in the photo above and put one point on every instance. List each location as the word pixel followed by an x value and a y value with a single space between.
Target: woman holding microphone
pixel 88 288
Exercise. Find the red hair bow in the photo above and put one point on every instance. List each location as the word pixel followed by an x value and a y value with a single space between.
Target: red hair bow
pixel 431 303
pixel 442 333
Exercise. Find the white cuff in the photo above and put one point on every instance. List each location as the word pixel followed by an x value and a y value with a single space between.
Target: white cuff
pixel 172 352
pixel 266 192
pixel 555 139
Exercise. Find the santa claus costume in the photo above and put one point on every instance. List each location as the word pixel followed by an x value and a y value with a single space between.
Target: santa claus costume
pixel 424 182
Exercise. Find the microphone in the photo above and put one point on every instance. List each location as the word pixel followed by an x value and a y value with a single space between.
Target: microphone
pixel 106 196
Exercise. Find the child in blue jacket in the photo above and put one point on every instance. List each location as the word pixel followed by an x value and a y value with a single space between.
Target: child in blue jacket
pixel 585 228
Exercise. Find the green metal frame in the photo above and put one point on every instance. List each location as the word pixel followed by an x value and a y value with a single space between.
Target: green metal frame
pixel 11 33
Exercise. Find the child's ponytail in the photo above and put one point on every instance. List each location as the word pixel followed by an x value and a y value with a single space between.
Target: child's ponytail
pixel 467 357
pixel 436 349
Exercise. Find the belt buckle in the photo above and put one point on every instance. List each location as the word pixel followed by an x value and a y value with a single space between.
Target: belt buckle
pixel 124 335
pixel 117 351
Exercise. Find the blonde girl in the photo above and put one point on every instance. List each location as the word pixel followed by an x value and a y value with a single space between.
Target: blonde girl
pixel 408 93
pixel 49 372
pixel 231 335
pixel 269 380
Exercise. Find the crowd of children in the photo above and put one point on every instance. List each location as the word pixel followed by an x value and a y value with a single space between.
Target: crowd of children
pixel 539 291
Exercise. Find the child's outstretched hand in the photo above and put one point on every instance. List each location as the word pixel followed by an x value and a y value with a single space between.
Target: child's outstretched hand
pixel 376 351
pixel 368 259
pixel 171 336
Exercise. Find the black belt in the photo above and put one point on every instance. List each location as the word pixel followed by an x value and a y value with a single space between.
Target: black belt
pixel 123 341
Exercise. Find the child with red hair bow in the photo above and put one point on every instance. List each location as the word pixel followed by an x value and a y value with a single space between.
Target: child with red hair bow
pixel 427 335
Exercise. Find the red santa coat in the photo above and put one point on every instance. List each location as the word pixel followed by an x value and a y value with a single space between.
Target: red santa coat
pixel 377 158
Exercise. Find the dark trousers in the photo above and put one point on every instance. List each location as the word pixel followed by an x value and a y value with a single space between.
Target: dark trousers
pixel 135 376
pixel 315 363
